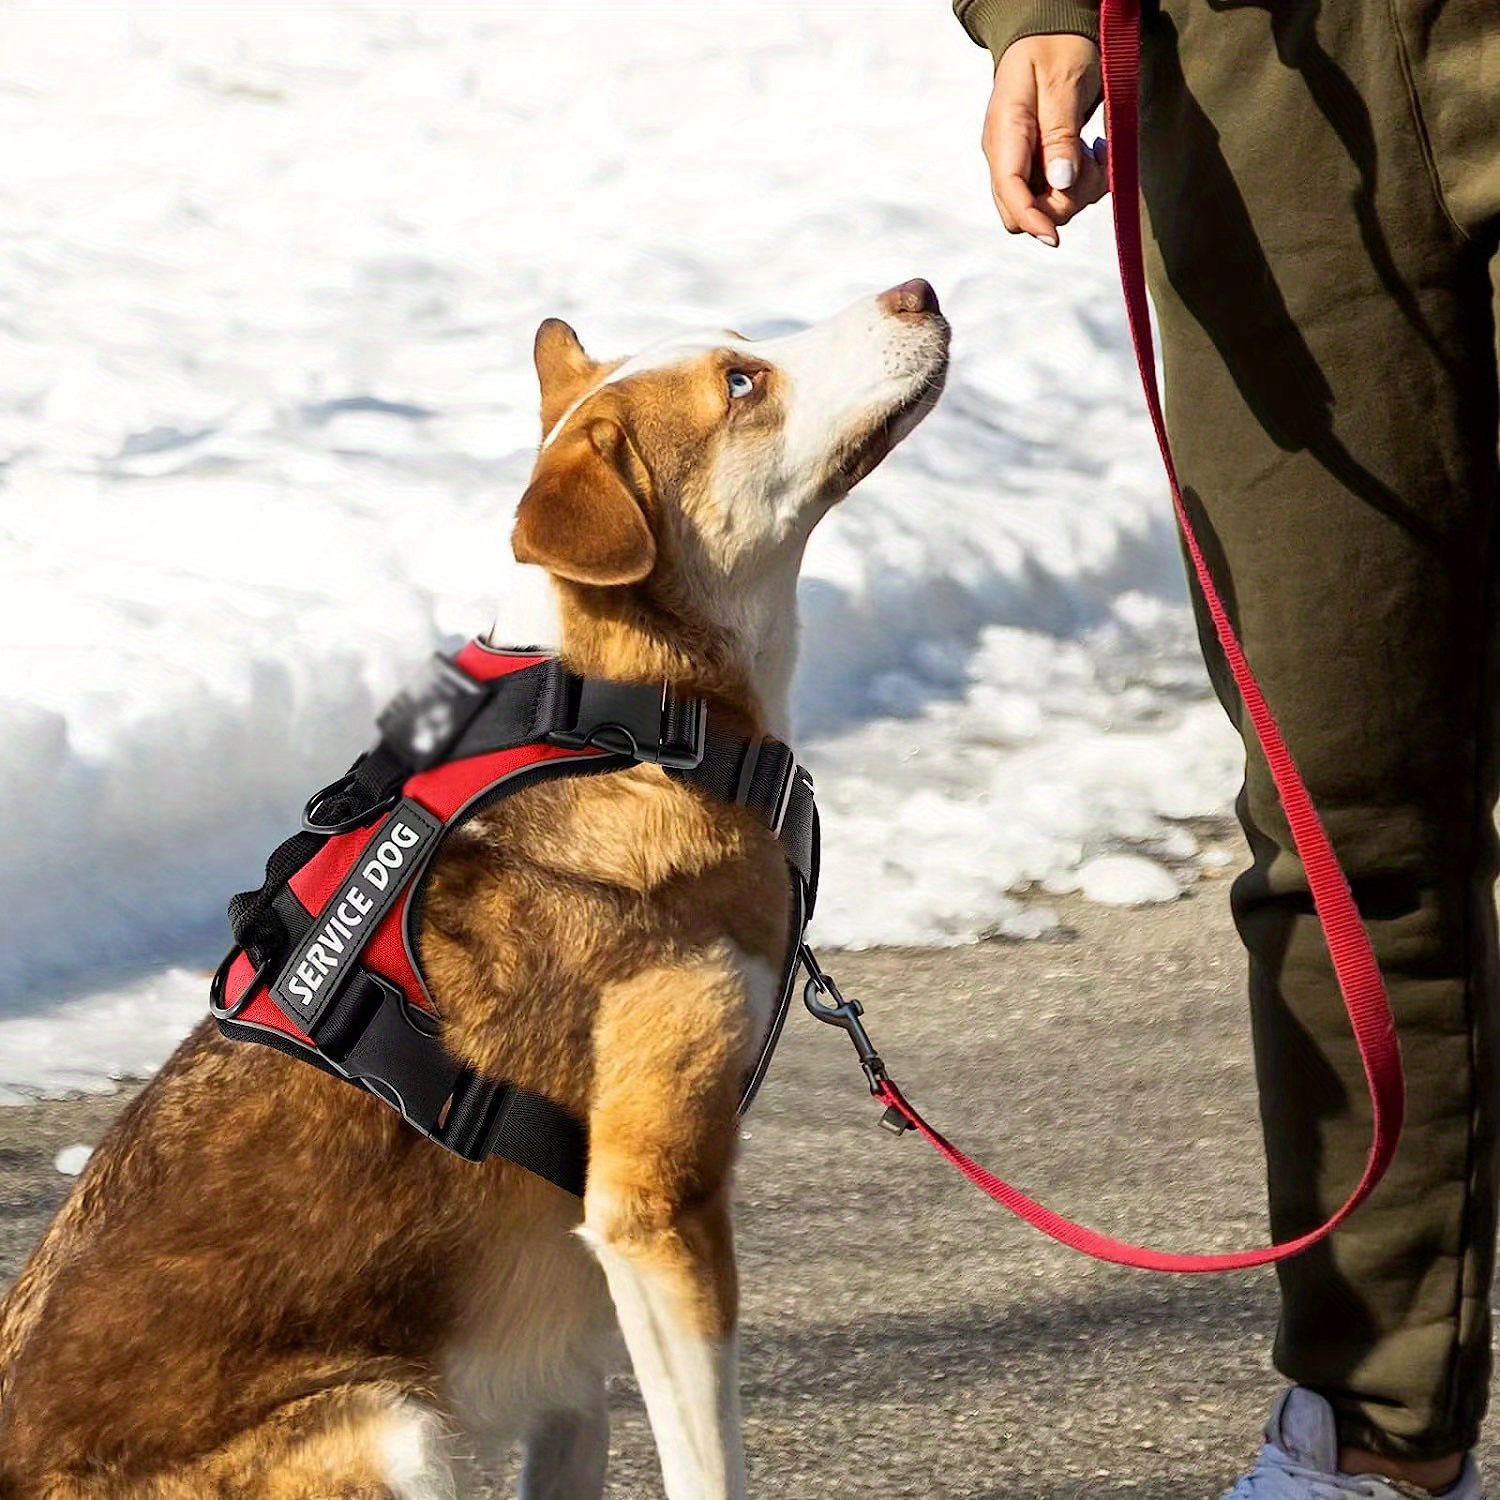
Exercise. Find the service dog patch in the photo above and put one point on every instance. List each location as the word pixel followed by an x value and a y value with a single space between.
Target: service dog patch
pixel 311 977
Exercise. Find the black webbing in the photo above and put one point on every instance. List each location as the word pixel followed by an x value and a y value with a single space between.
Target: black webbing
pixel 295 917
pixel 371 779
pixel 523 707
pixel 754 774
pixel 677 718
pixel 541 1136
pixel 799 912
pixel 256 926
pixel 801 838
pixel 371 1035
pixel 471 1116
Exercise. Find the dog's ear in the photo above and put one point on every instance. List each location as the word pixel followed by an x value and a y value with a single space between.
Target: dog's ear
pixel 581 516
pixel 564 371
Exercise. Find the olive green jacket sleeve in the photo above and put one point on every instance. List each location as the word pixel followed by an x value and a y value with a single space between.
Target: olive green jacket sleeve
pixel 997 23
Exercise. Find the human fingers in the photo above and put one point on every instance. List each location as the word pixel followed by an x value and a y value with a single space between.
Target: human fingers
pixel 1010 140
pixel 1091 185
pixel 1067 83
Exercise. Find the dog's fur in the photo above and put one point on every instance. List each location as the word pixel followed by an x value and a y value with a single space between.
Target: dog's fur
pixel 264 1284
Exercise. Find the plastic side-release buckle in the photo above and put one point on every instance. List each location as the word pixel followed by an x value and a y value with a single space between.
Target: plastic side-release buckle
pixel 395 1053
pixel 646 721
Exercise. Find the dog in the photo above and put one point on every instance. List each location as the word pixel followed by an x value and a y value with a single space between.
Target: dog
pixel 265 1284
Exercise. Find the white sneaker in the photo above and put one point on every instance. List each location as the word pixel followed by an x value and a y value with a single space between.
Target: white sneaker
pixel 1300 1461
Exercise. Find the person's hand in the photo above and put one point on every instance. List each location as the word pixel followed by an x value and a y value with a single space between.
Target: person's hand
pixel 1041 173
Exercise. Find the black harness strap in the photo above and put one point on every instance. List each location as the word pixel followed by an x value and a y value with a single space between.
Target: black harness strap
pixel 763 776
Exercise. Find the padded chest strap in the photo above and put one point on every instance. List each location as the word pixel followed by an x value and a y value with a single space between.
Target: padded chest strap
pixel 372 1036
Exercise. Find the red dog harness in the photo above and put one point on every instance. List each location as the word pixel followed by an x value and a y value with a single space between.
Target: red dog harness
pixel 325 965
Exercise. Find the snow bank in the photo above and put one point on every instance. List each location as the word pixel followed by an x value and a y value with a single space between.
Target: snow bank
pixel 82 1045
pixel 270 279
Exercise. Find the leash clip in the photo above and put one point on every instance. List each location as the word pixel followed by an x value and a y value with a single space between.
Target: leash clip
pixel 845 1014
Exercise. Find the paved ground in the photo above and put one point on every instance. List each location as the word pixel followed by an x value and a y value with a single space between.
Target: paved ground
pixel 902 1336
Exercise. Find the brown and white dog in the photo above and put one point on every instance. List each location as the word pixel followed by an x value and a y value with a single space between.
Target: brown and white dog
pixel 264 1284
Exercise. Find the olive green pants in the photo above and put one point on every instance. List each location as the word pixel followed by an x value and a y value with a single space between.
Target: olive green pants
pixel 1322 184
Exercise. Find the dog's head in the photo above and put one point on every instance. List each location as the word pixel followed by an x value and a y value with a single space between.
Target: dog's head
pixel 675 491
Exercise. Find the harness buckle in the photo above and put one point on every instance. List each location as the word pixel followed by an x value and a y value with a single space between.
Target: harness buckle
pixel 391 1048
pixel 647 722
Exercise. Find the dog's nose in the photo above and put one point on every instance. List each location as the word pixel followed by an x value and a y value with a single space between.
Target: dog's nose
pixel 911 297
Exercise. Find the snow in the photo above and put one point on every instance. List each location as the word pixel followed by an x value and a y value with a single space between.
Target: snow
pixel 270 276
pixel 71 1160
pixel 82 1045
pixel 1126 880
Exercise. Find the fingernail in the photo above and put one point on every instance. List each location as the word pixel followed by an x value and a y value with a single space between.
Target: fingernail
pixel 1099 150
pixel 1060 173
pixel 1048 239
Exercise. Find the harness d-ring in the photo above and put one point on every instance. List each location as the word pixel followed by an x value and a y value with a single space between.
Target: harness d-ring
pixel 216 1008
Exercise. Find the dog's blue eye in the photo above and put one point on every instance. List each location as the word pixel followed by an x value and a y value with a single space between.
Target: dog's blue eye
pixel 740 384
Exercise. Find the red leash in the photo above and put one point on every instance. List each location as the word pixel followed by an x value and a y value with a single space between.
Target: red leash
pixel 1353 961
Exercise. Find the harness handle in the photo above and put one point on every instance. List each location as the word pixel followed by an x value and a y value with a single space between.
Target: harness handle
pixel 1354 963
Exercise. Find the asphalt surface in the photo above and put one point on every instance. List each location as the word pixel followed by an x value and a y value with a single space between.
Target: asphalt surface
pixel 901 1335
